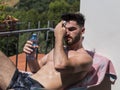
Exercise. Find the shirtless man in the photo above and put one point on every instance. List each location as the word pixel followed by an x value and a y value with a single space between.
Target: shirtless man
pixel 62 66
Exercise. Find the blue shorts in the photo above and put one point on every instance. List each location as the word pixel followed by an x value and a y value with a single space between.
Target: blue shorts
pixel 22 81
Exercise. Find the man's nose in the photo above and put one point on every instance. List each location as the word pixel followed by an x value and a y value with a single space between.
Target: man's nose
pixel 67 31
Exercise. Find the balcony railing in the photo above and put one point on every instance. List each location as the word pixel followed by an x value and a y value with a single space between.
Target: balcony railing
pixel 47 32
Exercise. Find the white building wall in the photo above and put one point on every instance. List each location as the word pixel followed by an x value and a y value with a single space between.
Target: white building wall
pixel 103 30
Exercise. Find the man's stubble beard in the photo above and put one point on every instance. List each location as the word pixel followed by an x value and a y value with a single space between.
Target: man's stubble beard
pixel 74 40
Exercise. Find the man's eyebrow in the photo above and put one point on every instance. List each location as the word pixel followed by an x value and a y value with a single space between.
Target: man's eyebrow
pixel 71 28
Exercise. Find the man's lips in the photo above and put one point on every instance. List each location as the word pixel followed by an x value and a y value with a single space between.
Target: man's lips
pixel 68 38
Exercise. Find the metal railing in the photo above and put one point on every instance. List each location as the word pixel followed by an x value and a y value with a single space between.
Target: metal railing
pixel 25 31
pixel 18 32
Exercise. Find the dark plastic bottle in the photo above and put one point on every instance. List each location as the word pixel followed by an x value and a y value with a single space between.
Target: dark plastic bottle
pixel 33 55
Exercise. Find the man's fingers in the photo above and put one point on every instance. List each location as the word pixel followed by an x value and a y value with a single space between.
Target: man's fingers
pixel 28 50
pixel 29 42
pixel 28 47
pixel 64 23
pixel 63 28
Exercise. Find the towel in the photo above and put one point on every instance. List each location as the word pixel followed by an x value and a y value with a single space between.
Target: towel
pixel 101 67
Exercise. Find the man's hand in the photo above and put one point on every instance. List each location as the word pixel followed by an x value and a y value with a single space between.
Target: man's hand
pixel 28 48
pixel 60 30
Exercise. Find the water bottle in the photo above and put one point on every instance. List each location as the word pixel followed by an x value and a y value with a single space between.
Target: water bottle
pixel 33 55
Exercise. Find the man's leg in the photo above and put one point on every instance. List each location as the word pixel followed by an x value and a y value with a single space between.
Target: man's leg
pixel 7 69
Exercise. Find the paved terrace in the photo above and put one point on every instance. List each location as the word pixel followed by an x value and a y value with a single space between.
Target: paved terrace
pixel 22 61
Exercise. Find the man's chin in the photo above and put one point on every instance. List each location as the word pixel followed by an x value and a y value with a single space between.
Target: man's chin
pixel 69 43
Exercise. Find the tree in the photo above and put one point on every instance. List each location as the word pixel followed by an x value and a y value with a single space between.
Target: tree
pixel 39 5
pixel 58 7
pixel 38 10
pixel 2 13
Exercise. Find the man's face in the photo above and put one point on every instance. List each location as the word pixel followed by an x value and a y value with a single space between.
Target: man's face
pixel 73 33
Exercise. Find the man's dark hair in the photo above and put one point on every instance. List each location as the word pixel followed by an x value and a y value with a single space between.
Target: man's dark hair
pixel 78 17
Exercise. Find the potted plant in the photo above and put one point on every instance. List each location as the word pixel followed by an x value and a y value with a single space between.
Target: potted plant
pixel 7 22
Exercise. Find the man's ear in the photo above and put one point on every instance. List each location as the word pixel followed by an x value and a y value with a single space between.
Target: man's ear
pixel 83 30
